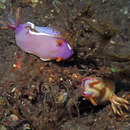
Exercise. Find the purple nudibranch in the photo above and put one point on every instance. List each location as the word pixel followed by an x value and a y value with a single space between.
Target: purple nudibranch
pixel 44 42
pixel 99 90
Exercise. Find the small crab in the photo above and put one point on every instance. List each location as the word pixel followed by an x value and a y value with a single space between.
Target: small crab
pixel 44 42
pixel 99 90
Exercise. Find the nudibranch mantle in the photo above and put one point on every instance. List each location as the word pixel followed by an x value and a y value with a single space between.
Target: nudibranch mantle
pixel 44 42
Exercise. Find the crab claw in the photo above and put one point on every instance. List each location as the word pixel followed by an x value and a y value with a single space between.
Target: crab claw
pixel 117 104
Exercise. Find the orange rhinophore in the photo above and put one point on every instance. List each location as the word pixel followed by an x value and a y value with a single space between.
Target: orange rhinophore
pixel 59 42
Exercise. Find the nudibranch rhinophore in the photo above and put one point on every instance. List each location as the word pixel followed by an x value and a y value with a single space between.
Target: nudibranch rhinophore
pixel 44 42
pixel 99 90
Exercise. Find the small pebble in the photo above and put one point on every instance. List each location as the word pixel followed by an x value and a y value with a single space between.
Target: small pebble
pixel 125 11
pixel 26 127
pixel 14 117
pixel 103 1
pixel 13 90
pixel 2 127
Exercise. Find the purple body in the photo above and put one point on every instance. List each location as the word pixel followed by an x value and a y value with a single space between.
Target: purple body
pixel 87 89
pixel 40 41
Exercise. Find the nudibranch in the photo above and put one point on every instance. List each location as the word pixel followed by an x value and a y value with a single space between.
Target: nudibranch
pixel 99 90
pixel 44 42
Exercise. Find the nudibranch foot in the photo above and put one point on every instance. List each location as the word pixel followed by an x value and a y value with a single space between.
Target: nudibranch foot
pixel 44 59
pixel 117 104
